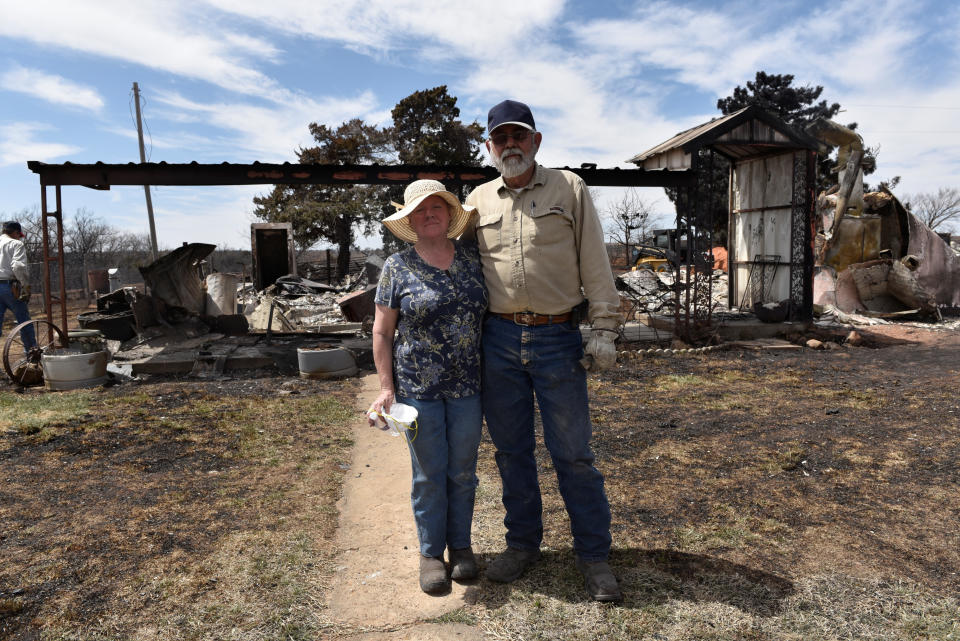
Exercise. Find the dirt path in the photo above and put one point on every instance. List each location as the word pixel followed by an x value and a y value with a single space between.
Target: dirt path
pixel 376 583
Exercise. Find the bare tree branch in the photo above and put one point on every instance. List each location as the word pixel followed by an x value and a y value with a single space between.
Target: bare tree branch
pixel 936 209
pixel 86 237
pixel 629 221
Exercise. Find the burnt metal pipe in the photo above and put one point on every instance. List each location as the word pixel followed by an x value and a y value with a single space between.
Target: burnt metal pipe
pixel 273 301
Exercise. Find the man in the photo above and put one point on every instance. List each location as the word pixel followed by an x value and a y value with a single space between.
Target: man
pixel 542 251
pixel 15 279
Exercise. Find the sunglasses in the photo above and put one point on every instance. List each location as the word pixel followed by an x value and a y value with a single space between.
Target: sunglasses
pixel 518 137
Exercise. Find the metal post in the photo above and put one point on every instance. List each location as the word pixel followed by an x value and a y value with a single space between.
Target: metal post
pixel 48 298
pixel 731 229
pixel 62 270
pixel 146 188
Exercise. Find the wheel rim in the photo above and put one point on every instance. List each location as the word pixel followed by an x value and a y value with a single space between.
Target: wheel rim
pixel 22 365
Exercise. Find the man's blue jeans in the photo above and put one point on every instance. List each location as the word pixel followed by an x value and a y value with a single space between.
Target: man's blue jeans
pixel 520 363
pixel 444 457
pixel 20 312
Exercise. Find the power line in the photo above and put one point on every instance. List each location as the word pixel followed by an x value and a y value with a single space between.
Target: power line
pixel 143 116
pixel 902 107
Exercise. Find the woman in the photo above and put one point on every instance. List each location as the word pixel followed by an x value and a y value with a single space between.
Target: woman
pixel 433 293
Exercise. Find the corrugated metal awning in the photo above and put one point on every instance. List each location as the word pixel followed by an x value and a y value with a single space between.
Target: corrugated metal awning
pixel 747 133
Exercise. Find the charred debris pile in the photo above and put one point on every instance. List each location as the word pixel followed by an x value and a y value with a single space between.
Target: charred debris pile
pixel 183 303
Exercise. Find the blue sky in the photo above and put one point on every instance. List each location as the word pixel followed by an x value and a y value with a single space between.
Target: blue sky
pixel 239 80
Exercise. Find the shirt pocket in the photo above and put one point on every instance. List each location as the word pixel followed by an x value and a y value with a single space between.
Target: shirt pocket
pixel 552 226
pixel 488 232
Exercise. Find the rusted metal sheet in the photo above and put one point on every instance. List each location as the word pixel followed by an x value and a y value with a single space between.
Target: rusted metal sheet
pixel 174 279
pixel 359 306
pixel 938 268
pixel 887 229
pixel 856 240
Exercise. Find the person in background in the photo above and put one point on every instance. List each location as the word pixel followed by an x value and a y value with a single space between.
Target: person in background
pixel 542 250
pixel 432 293
pixel 15 280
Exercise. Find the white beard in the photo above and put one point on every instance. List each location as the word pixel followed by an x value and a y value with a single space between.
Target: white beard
pixel 512 162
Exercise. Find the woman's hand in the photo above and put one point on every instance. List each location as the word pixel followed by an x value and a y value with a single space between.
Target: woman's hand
pixel 384 324
pixel 383 403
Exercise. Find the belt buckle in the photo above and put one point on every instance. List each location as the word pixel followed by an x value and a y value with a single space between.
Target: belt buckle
pixel 524 318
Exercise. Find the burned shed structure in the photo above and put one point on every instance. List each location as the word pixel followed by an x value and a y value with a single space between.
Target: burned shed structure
pixel 770 203
pixel 274 255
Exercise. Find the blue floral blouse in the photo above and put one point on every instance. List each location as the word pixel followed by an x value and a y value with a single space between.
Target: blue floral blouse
pixel 437 351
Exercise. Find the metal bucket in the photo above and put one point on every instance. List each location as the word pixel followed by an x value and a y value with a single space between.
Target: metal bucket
pixel 326 361
pixel 66 369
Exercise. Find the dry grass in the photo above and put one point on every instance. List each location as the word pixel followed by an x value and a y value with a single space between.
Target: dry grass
pixel 766 497
pixel 761 499
pixel 725 608
pixel 187 512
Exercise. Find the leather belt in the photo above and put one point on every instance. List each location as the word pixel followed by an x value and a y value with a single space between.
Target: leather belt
pixel 532 319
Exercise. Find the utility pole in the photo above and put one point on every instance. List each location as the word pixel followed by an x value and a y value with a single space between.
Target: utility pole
pixel 146 188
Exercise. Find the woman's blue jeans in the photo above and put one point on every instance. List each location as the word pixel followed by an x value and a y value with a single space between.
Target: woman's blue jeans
pixel 20 312
pixel 521 363
pixel 444 457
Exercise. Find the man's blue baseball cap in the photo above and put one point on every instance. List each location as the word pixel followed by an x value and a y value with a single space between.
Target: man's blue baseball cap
pixel 510 112
pixel 11 226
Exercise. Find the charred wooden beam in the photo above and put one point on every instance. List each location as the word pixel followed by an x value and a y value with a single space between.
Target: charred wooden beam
pixel 103 176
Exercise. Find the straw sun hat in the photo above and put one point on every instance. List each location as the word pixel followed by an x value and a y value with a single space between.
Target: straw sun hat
pixel 413 195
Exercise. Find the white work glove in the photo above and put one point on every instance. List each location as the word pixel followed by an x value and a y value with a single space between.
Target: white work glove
pixel 600 352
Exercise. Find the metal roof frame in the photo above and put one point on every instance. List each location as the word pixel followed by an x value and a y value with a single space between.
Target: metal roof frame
pixel 708 135
pixel 102 176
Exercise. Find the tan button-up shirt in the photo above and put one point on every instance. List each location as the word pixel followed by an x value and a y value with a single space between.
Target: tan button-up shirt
pixel 542 247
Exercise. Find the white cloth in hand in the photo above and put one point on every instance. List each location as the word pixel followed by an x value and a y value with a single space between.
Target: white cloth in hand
pixel 601 350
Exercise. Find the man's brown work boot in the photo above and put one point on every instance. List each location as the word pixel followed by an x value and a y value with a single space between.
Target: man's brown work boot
pixel 510 564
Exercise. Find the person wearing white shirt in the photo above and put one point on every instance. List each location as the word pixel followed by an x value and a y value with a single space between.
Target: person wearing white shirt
pixel 15 280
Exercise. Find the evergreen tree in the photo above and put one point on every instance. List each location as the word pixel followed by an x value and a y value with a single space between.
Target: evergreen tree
pixel 330 212
pixel 427 131
pixel 796 106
